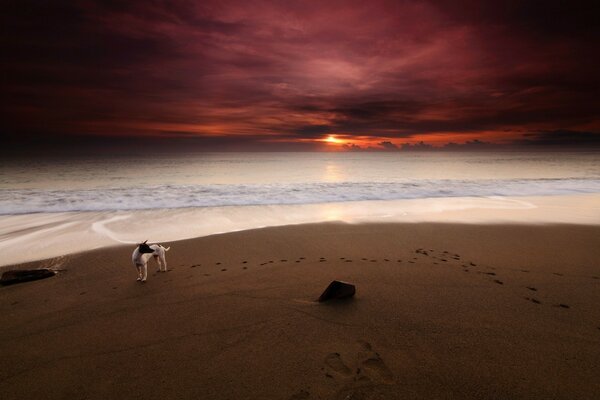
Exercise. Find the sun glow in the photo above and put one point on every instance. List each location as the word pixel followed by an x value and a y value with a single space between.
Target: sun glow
pixel 333 140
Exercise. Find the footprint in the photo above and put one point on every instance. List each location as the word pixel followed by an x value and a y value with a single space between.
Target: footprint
pixel 244 267
pixel 283 260
pixel 498 282
pixel 375 367
pixel 369 377
pixel 536 301
pixel 562 305
pixel 301 395
pixel 490 273
pixel 224 269
pixel 218 263
pixel 558 274
pixel 385 259
pixel 531 288
pixel 372 365
pixel 348 261
pixel 244 262
pixel 334 361
pixel 472 264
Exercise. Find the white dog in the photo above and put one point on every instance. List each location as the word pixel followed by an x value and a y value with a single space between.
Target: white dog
pixel 142 254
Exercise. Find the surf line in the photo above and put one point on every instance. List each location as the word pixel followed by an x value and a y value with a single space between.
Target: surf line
pixel 516 204
pixel 100 228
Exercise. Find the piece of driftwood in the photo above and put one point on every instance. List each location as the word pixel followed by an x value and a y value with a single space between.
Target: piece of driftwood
pixel 337 290
pixel 25 275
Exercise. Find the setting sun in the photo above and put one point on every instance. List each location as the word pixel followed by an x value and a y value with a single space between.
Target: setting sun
pixel 332 139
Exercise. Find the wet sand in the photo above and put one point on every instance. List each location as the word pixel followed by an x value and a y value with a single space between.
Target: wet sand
pixel 441 311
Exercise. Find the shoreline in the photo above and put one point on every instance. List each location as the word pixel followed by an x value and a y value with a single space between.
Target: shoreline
pixel 31 237
pixel 485 311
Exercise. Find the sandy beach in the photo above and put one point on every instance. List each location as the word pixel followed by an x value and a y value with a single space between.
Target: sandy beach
pixel 443 311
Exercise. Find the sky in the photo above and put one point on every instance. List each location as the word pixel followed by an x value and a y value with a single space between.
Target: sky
pixel 299 75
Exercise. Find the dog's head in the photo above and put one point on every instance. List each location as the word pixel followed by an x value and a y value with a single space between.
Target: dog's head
pixel 144 248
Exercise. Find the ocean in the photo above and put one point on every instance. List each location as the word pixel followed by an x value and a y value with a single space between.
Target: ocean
pixel 50 207
pixel 242 179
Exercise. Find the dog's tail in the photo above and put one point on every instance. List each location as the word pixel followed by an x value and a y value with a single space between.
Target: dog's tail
pixel 166 248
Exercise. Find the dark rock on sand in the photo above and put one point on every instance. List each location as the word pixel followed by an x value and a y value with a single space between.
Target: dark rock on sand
pixel 25 275
pixel 338 290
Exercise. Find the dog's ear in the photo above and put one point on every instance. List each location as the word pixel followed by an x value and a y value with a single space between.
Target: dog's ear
pixel 145 241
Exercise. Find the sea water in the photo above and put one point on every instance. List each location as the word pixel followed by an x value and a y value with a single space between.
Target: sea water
pixel 241 179
pixel 78 203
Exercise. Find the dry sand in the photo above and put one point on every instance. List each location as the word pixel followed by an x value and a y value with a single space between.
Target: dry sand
pixel 484 312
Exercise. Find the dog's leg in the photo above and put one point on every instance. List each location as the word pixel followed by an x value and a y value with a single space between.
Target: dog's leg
pixel 139 270
pixel 145 270
pixel 164 260
pixel 157 259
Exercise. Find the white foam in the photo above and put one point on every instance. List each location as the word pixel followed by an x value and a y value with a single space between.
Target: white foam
pixel 25 201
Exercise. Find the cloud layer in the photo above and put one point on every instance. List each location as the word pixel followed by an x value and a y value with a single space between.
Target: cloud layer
pixel 286 74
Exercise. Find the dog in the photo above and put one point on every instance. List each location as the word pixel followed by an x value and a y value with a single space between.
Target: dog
pixel 142 254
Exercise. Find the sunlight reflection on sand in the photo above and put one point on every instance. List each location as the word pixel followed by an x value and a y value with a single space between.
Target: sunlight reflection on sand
pixel 38 236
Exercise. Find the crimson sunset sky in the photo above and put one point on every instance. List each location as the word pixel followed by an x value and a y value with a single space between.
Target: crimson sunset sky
pixel 282 75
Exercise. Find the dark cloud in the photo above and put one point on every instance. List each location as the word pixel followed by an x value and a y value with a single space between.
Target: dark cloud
pixel 562 138
pixel 420 146
pixel 434 71
pixel 389 146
